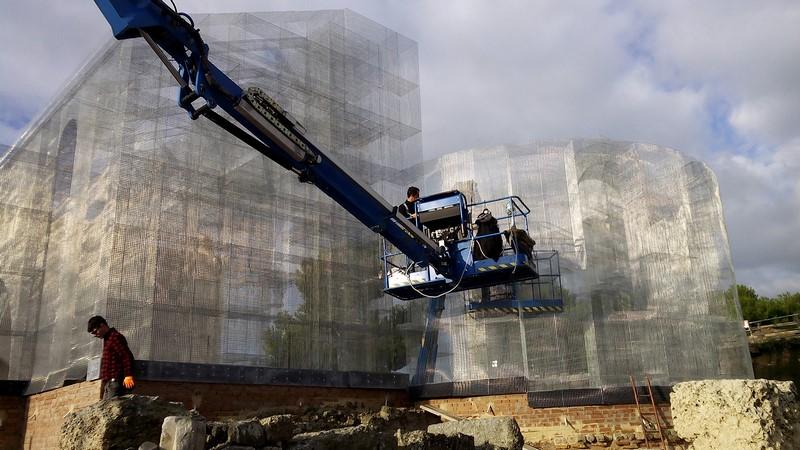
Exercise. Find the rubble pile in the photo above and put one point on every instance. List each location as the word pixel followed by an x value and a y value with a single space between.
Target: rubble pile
pixel 138 422
pixel 354 429
pixel 737 414
pixel 491 432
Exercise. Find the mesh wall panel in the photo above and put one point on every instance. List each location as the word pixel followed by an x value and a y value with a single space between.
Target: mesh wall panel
pixel 199 250
pixel 645 264
pixel 190 243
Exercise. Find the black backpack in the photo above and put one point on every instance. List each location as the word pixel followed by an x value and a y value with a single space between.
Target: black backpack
pixel 491 247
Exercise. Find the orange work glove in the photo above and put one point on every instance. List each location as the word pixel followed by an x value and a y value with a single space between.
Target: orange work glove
pixel 128 382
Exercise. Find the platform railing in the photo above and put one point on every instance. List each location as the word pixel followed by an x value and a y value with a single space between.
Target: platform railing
pixel 515 210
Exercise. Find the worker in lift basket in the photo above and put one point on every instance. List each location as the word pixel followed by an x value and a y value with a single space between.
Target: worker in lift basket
pixel 406 209
pixel 116 365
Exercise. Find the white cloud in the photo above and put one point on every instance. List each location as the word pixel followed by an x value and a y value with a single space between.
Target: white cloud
pixel 771 279
pixel 772 117
pixel 745 50
pixel 761 199
pixel 531 71
pixel 716 79
pixel 8 135
pixel 44 44
pixel 742 54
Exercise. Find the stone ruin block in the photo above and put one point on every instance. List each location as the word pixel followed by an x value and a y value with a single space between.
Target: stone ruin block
pixel 737 414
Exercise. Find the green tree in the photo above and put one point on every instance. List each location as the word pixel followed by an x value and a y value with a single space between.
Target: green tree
pixel 755 307
pixel 748 300
pixel 340 325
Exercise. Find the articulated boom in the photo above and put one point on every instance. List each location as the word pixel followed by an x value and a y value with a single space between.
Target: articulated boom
pixel 262 123
pixel 272 131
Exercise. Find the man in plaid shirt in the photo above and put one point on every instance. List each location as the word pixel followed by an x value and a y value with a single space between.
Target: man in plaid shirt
pixel 116 365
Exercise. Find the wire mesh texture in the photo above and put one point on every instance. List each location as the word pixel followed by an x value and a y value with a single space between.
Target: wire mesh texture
pixel 200 250
pixel 193 245
pixel 648 283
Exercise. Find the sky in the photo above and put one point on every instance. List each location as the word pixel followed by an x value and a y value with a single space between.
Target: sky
pixel 718 80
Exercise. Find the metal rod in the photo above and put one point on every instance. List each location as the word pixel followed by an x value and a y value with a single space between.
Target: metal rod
pixel 639 410
pixel 164 59
pixel 655 412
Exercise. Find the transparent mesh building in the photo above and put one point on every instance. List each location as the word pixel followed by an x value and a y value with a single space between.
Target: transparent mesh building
pixel 193 245
pixel 645 265
pixel 203 252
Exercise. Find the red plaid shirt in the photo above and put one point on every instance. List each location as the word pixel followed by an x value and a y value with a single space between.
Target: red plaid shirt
pixel 117 359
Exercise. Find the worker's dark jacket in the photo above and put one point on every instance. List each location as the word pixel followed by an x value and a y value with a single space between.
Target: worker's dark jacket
pixel 117 361
pixel 520 241
pixel 406 209
pixel 490 247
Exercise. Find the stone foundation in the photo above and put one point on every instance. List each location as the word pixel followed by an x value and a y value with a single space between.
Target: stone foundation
pixel 710 415
pixel 612 426
pixel 44 413
pixel 737 414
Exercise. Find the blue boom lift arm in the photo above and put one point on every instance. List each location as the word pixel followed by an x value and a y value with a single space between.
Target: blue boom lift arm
pixel 269 128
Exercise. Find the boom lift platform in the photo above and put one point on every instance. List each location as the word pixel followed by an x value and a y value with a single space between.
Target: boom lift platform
pixel 532 278
pixel 437 247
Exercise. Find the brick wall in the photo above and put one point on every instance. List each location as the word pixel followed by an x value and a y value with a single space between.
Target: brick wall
pixel 12 412
pixel 39 423
pixel 551 425
pixel 45 412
